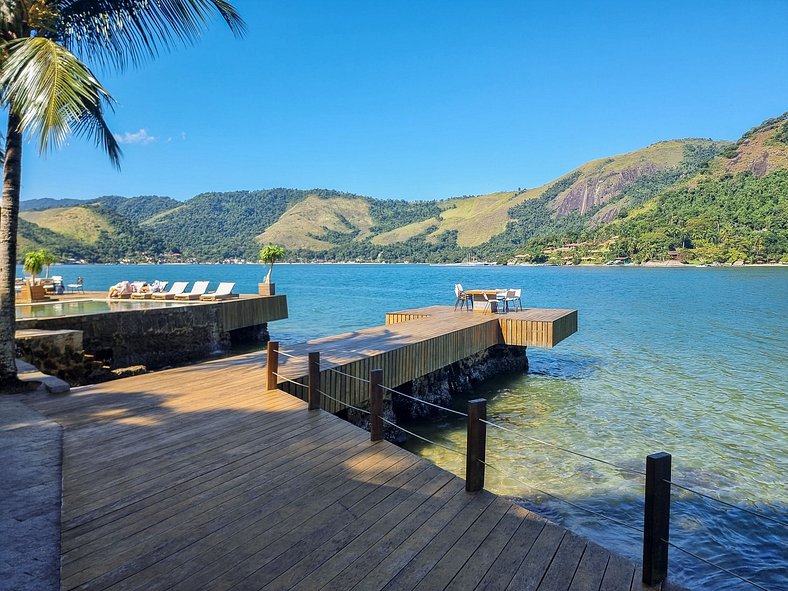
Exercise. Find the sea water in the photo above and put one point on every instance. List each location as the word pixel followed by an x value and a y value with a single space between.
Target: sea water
pixel 690 361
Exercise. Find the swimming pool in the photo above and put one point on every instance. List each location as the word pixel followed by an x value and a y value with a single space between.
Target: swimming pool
pixel 80 307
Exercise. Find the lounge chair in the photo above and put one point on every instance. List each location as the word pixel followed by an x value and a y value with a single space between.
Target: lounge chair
pixel 223 292
pixel 177 288
pixel 146 295
pixel 199 288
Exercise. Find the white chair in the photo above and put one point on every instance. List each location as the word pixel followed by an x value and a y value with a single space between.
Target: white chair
pixel 223 292
pixel 514 295
pixel 463 299
pixel 199 288
pixel 78 286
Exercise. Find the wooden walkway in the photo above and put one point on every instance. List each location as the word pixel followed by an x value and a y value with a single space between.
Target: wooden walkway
pixel 414 343
pixel 195 478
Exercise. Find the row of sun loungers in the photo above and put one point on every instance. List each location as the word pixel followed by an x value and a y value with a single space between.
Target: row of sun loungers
pixel 199 291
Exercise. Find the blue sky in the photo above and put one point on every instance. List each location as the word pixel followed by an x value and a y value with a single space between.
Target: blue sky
pixel 422 100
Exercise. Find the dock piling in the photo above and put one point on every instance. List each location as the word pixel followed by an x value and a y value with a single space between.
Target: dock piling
pixel 313 391
pixel 375 405
pixel 656 520
pixel 477 445
pixel 271 365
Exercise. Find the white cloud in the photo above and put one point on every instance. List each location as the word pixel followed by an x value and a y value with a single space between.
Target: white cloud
pixel 135 137
pixel 183 136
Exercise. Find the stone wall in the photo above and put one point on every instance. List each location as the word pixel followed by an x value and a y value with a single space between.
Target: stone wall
pixel 153 337
pixel 439 387
pixel 54 352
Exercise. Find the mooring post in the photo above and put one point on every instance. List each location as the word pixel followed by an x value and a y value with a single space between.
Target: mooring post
pixel 313 391
pixel 477 445
pixel 656 520
pixel 375 405
pixel 271 365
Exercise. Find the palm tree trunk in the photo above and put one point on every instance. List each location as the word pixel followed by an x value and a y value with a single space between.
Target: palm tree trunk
pixel 9 220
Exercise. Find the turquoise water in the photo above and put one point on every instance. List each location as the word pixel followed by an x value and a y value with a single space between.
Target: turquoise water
pixel 689 361
pixel 74 308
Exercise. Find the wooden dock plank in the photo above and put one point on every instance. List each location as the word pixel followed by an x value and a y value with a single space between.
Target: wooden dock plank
pixel 199 478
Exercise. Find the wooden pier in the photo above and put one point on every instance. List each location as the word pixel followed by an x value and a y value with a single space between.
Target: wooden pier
pixel 196 478
pixel 414 343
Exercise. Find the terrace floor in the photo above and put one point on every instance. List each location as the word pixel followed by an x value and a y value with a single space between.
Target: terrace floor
pixel 196 477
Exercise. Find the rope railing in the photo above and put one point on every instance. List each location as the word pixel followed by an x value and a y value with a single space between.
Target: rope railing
pixel 658 482
pixel 727 504
pixel 280 376
pixel 417 436
pixel 432 404
pixel 564 449
pixel 343 403
pixel 342 373
pixel 717 566
pixel 562 499
pixel 289 355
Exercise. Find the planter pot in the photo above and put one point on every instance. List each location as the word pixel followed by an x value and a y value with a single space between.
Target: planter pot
pixel 266 289
pixel 32 293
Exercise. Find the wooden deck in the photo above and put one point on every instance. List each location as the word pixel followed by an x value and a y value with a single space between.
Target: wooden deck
pixel 414 343
pixel 195 478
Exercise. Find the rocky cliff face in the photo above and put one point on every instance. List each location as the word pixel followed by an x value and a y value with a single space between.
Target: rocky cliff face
pixel 591 190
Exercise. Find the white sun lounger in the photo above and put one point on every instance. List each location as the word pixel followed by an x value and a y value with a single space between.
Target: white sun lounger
pixel 177 288
pixel 223 292
pixel 146 295
pixel 199 288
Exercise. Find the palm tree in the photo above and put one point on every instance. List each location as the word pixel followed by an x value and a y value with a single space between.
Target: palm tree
pixel 50 92
pixel 34 263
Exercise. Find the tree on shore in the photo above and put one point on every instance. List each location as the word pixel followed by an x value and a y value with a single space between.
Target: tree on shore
pixel 50 92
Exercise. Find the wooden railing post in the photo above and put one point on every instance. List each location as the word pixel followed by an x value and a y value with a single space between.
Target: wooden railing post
pixel 313 391
pixel 656 520
pixel 271 365
pixel 477 445
pixel 375 405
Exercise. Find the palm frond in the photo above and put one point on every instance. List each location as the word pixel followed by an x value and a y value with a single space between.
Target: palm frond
pixel 53 93
pixel 91 124
pixel 123 32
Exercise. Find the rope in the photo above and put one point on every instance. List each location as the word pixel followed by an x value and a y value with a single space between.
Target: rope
pixel 289 355
pixel 457 412
pixel 726 503
pixel 717 566
pixel 416 435
pixel 289 380
pixel 342 373
pixel 342 402
pixel 568 502
pixel 564 449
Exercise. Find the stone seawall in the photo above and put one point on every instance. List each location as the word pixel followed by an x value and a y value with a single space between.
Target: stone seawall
pixel 440 387
pixel 152 338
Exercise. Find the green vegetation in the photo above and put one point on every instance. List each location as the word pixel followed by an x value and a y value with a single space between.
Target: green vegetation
pixel 652 204
pixel 738 218
pixel 268 256
pixel 36 260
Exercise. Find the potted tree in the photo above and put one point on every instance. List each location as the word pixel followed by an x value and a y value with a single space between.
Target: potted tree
pixel 268 256
pixel 34 264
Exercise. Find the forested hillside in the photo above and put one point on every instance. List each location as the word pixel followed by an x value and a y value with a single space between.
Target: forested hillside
pixel 693 199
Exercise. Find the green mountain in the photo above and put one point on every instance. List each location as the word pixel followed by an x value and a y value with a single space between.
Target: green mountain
pixel 703 199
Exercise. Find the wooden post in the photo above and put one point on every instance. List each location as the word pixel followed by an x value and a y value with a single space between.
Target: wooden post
pixel 313 392
pixel 477 445
pixel 656 520
pixel 272 365
pixel 375 405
